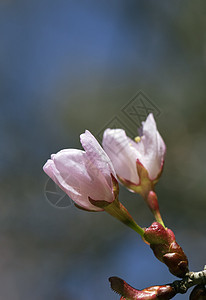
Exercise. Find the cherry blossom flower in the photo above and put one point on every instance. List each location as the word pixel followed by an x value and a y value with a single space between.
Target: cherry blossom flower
pixel 84 175
pixel 136 160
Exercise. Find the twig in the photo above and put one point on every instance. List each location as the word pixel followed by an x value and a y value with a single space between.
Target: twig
pixel 190 279
pixel 168 291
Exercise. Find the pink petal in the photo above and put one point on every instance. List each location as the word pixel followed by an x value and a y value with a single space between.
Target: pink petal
pixel 122 153
pixel 74 173
pixel 97 156
pixel 151 147
pixel 73 191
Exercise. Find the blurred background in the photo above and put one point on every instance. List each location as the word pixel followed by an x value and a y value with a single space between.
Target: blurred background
pixel 67 66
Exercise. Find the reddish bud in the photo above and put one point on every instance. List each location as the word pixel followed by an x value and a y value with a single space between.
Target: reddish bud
pixel 198 293
pixel 161 292
pixel 156 234
pixel 162 242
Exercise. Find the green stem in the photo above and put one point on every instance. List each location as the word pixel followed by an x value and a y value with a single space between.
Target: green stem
pixel 152 202
pixel 117 210
pixel 158 218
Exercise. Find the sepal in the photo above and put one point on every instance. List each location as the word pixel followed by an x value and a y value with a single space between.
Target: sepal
pixel 145 183
pixel 84 209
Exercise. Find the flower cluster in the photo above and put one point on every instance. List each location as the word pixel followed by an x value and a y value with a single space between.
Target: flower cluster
pixel 90 178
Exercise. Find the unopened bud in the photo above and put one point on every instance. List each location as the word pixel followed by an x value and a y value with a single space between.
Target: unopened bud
pixel 163 243
pixel 198 293
pixel 160 292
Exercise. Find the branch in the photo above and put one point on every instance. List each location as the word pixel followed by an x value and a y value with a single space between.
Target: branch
pixel 161 291
pixel 190 279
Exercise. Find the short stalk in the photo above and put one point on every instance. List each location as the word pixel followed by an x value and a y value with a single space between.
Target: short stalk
pixel 152 202
pixel 158 218
pixel 117 210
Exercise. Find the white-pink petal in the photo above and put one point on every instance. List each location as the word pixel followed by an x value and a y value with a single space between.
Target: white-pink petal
pixel 83 174
pixel 97 155
pixel 151 147
pixel 122 153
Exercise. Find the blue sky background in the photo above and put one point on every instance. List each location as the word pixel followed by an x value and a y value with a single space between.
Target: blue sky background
pixel 67 66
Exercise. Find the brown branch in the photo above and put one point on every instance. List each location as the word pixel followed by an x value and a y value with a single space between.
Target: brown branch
pixel 190 279
pixel 161 291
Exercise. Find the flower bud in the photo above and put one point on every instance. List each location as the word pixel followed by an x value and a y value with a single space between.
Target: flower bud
pixel 121 287
pixel 163 243
pixel 198 293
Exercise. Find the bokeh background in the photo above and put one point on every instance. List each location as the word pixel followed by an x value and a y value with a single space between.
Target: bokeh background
pixel 70 65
